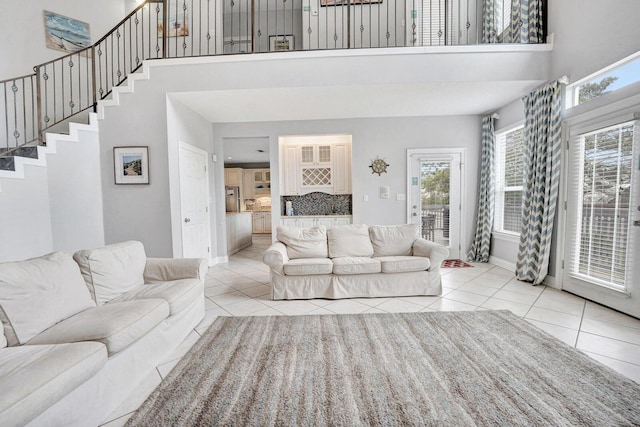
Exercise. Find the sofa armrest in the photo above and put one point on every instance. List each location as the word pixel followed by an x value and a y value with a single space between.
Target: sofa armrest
pixel 159 270
pixel 276 257
pixel 435 252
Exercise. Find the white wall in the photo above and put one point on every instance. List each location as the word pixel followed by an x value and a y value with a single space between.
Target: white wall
pixel 587 35
pixel 75 194
pixel 22 39
pixel 388 138
pixel 25 219
pixel 57 206
pixel 591 34
pixel 183 124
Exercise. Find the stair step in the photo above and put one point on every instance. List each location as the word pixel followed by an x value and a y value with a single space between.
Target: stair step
pixel 7 163
pixel 7 160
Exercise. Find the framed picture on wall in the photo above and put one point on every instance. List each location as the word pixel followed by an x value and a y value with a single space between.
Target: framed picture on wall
pixel 131 165
pixel 64 33
pixel 178 23
pixel 281 43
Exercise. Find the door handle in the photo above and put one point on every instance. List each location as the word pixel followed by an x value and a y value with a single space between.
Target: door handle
pixel 187 220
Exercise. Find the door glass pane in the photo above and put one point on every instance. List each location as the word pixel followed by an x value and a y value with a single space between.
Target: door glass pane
pixel 324 153
pixel 434 194
pixel 603 206
pixel 306 154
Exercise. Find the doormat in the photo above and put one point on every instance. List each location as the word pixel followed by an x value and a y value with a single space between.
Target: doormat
pixel 455 263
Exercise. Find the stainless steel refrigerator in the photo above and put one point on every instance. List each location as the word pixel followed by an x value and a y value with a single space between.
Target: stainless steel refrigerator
pixel 232 198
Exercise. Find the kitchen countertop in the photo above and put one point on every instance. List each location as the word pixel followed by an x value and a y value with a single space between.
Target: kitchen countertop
pixel 237 213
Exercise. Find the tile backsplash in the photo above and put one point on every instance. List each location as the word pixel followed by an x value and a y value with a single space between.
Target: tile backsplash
pixel 259 204
pixel 318 204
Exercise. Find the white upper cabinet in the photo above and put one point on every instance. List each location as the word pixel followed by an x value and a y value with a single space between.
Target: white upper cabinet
pixel 233 177
pixel 325 167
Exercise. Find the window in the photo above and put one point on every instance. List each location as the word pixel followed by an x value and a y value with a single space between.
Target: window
pixel 437 22
pixel 622 73
pixel 603 162
pixel 509 179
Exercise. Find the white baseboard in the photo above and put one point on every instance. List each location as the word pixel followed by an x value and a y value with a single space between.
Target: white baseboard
pixel 502 263
pixel 548 281
pixel 218 260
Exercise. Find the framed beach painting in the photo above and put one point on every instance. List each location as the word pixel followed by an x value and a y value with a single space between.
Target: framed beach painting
pixel 280 43
pixel 178 23
pixel 131 165
pixel 64 33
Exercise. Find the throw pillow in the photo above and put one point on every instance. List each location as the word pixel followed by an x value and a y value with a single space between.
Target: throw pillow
pixel 304 242
pixel 36 294
pixel 349 241
pixel 112 270
pixel 393 240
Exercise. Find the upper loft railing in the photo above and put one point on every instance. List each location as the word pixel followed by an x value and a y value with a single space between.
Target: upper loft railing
pixel 66 86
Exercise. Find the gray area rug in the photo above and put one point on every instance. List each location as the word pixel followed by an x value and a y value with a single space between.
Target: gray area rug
pixel 446 368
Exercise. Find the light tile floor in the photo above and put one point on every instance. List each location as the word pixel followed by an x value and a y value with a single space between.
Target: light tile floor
pixel 241 288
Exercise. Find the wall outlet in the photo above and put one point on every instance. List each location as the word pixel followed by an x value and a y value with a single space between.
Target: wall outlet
pixel 365 198
pixel 401 196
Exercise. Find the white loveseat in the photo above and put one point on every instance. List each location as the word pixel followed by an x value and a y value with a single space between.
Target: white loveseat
pixel 79 334
pixel 353 261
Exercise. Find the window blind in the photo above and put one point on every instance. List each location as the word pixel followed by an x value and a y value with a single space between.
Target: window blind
pixel 510 174
pixel 438 22
pixel 600 188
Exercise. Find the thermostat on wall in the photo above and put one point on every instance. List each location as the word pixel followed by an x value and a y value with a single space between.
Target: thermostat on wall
pixel 385 192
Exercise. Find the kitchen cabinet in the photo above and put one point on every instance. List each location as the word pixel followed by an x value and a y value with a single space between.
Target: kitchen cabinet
pixel 247 184
pixel 233 177
pixel 261 222
pixel 261 182
pixel 314 221
pixel 256 183
pixel 316 167
pixel 342 169
pixel 238 231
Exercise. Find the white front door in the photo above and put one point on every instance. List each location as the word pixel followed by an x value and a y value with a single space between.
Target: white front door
pixel 194 202
pixel 602 253
pixel 435 202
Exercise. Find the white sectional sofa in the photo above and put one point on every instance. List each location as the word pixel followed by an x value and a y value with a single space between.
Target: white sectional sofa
pixel 353 261
pixel 79 334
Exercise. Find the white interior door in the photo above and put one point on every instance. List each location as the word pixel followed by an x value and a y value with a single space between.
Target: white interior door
pixel 194 202
pixel 602 256
pixel 435 202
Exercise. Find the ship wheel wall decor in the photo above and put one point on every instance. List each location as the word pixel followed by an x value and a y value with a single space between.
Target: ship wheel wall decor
pixel 378 166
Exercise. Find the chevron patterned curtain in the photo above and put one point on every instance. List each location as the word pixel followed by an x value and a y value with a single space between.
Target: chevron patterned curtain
pixel 481 245
pixel 490 22
pixel 526 22
pixel 542 176
pixel 512 21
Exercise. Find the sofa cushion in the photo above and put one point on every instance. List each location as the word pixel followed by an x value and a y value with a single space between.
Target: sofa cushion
pixel 178 293
pixel 349 241
pixel 112 270
pixel 402 264
pixel 116 325
pixel 3 339
pixel 37 293
pixel 34 377
pixel 303 242
pixel 393 240
pixel 356 265
pixel 308 266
